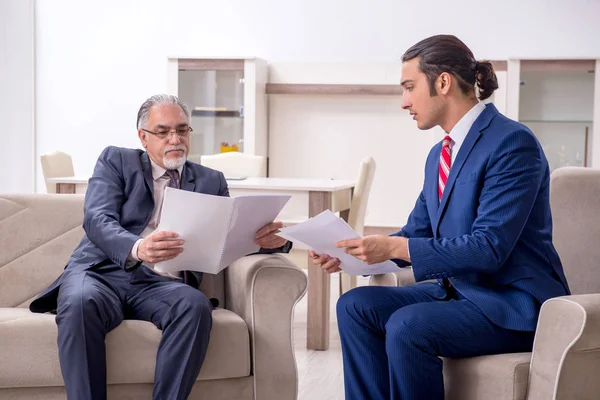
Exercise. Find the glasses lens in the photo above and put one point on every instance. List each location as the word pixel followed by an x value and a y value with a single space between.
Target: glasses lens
pixel 183 132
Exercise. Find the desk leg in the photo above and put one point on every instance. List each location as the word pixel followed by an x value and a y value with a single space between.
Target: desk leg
pixel 65 188
pixel 319 283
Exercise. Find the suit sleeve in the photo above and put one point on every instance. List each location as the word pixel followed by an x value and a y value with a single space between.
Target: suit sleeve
pixel 103 200
pixel 417 226
pixel 512 180
pixel 223 187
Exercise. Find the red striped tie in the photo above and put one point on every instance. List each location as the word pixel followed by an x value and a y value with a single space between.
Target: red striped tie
pixel 445 161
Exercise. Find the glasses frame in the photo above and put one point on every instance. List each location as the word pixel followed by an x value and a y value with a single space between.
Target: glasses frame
pixel 168 134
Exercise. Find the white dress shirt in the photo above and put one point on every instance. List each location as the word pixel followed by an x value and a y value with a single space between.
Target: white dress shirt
pixel 160 183
pixel 461 129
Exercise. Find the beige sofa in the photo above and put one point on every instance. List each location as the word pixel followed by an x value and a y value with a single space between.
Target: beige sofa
pixel 565 362
pixel 250 355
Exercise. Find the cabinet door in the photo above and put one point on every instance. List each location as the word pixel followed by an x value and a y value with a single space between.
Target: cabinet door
pixel 214 92
pixel 227 101
pixel 556 101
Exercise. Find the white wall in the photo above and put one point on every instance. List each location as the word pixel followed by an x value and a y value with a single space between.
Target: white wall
pixel 16 96
pixel 97 62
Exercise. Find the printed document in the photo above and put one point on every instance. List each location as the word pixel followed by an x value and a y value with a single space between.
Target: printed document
pixel 322 232
pixel 217 230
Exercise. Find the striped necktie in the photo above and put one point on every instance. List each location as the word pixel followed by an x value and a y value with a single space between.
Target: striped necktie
pixel 445 161
pixel 173 178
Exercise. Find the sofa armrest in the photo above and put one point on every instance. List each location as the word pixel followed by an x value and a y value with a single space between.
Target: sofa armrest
pixel 404 277
pixel 566 351
pixel 263 290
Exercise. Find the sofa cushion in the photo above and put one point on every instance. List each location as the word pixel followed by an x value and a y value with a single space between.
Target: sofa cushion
pixel 29 352
pixel 502 376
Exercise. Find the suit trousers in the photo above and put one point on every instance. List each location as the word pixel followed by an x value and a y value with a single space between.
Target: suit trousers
pixel 91 303
pixel 393 337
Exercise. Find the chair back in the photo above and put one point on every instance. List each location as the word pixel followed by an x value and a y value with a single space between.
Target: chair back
pixel 575 204
pixel 236 164
pixel 360 197
pixel 54 165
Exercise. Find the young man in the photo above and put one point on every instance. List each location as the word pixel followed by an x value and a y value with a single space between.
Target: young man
pixel 110 275
pixel 481 226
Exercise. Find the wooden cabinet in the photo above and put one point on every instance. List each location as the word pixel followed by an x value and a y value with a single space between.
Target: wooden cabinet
pixel 227 100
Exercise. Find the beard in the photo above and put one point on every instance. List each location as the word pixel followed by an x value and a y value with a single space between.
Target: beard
pixel 174 163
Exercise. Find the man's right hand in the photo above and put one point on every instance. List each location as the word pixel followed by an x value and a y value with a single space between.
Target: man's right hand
pixel 159 246
pixel 328 264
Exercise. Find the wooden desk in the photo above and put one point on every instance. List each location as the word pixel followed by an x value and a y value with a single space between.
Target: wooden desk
pixel 70 184
pixel 334 195
pixel 323 194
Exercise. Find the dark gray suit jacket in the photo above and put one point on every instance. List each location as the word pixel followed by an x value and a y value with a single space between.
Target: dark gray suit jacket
pixel 118 206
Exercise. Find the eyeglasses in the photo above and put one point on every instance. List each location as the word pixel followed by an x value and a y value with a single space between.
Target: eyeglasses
pixel 163 134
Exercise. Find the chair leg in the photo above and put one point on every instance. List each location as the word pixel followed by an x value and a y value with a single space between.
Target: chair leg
pixel 347 282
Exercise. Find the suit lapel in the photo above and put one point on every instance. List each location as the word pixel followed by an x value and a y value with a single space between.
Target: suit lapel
pixel 431 189
pixel 147 168
pixel 478 126
pixel 188 179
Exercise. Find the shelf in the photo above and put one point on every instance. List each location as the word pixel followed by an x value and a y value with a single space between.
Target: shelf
pixel 333 89
pixel 196 64
pixel 554 122
pixel 209 113
pixel 558 65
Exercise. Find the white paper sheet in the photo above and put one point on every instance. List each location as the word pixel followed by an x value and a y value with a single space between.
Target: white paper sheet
pixel 217 230
pixel 322 232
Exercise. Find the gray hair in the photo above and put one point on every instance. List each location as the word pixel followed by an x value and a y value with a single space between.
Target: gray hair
pixel 158 99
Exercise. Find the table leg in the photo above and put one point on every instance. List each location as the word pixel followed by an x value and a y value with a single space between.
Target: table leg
pixel 65 188
pixel 319 283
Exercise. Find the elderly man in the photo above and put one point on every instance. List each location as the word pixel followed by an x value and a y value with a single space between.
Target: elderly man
pixel 110 275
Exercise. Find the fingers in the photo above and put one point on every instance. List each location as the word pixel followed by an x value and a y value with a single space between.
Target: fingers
pixel 334 269
pixel 163 240
pixel 268 229
pixel 163 235
pixel 271 242
pixel 354 251
pixel 331 266
pixel 165 244
pixel 318 259
pixel 163 255
pixel 349 243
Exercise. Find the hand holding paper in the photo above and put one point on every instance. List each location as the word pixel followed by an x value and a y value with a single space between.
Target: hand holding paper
pixel 217 230
pixel 321 233
pixel 267 237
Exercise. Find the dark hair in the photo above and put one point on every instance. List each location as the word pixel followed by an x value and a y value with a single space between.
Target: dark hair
pixel 447 53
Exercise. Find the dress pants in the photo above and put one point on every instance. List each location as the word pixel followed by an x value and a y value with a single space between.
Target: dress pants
pixel 91 303
pixel 392 338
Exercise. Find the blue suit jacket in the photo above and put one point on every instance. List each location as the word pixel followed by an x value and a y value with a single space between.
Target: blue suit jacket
pixel 118 206
pixel 491 234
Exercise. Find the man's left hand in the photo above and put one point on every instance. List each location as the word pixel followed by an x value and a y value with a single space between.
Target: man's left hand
pixel 373 249
pixel 266 236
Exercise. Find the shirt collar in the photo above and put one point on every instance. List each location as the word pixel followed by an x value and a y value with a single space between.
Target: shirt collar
pixel 462 127
pixel 158 171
